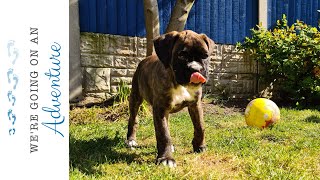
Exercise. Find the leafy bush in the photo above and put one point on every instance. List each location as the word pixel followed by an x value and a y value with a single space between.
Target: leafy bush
pixel 290 56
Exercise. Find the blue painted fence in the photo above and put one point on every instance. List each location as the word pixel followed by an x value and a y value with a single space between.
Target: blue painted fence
pixel 304 10
pixel 225 21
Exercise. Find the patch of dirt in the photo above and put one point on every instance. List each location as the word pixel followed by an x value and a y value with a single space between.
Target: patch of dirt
pixel 116 112
pixel 226 107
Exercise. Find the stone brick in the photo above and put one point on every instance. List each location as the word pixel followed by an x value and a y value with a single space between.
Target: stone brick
pixel 96 60
pixel 228 76
pixel 229 67
pixel 215 67
pixel 209 81
pixel 99 95
pixel 246 77
pixel 221 87
pixel 132 63
pixel 122 46
pixel 130 72
pixel 210 69
pixel 120 61
pixel 248 87
pixel 117 80
pixel 245 86
pixel 118 72
pixel 115 88
pixel 97 79
pixel 215 76
pixel 139 59
pixel 232 57
pixel 215 48
pixel 233 90
pixel 229 49
pixel 219 48
pixel 216 57
pixel 237 83
pixel 246 67
pixel 104 43
pixel 89 43
pixel 142 47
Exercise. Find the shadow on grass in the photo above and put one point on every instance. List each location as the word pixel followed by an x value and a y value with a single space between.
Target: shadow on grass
pixel 86 155
pixel 313 119
pixel 107 103
pixel 239 104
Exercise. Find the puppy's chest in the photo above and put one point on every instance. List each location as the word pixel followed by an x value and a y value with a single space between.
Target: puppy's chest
pixel 183 94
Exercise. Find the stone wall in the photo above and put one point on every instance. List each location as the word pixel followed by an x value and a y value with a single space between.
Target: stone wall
pixel 107 60
pixel 233 74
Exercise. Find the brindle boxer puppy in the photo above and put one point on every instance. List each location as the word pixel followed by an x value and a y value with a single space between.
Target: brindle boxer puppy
pixel 164 80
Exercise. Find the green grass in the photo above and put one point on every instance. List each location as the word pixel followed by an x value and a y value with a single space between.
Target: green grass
pixel 290 150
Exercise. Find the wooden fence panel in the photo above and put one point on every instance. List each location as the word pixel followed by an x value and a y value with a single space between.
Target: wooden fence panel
pixel 225 21
pixel 304 10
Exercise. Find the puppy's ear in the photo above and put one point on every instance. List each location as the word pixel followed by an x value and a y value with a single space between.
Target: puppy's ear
pixel 209 43
pixel 163 46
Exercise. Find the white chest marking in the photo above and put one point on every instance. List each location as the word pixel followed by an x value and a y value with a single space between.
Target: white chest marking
pixel 183 93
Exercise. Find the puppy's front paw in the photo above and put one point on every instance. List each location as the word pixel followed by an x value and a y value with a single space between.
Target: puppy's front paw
pixel 131 144
pixel 170 162
pixel 200 149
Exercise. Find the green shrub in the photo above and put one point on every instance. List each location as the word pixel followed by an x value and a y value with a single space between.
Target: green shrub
pixel 290 56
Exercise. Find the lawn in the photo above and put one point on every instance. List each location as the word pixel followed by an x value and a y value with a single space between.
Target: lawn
pixel 290 150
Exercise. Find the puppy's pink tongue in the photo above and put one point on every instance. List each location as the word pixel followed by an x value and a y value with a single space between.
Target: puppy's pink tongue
pixel 197 78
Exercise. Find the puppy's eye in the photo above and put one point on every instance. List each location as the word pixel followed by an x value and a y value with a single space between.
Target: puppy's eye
pixel 204 56
pixel 183 54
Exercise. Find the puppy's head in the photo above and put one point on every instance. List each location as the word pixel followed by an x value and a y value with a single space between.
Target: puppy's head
pixel 185 52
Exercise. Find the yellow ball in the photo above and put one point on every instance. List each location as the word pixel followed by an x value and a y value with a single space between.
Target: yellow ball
pixel 261 113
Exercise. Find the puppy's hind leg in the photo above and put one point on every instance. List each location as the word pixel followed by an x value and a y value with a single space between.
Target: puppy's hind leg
pixel 135 101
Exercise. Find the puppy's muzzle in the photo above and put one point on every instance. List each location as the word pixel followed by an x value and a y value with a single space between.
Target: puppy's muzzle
pixel 195 66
